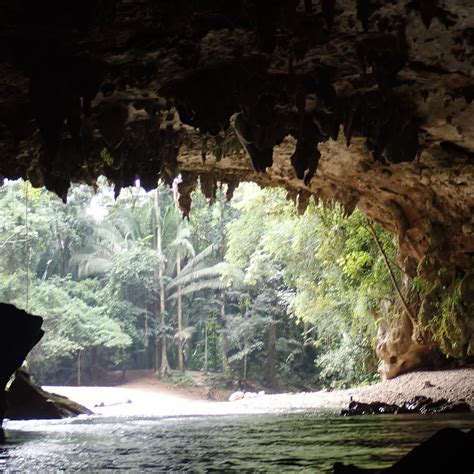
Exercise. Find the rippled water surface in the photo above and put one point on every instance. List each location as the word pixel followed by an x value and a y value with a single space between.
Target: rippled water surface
pixel 286 442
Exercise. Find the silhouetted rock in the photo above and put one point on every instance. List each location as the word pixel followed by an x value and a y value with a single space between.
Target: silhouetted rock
pixel 27 401
pixel 19 332
pixel 447 451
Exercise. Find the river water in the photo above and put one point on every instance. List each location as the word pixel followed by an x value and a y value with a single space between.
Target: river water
pixel 301 440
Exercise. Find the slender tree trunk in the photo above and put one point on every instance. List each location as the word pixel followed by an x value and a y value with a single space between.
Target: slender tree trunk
pixel 224 343
pixel 305 330
pixel 65 257
pixel 156 314
pixel 179 301
pixel 79 369
pixel 245 364
pixel 271 353
pixel 145 361
pixel 93 364
pixel 179 306
pixel 205 348
pixel 164 364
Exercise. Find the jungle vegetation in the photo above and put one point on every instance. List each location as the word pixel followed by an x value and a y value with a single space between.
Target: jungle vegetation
pixel 248 288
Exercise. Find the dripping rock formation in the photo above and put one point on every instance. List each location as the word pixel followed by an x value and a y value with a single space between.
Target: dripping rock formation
pixel 363 102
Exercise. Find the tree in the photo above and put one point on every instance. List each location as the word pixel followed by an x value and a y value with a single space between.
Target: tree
pixel 330 265
pixel 197 276
pixel 75 330
pixel 249 288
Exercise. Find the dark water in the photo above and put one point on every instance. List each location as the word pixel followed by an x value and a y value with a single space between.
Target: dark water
pixel 307 441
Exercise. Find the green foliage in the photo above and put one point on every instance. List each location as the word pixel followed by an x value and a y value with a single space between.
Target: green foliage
pixel 444 316
pixel 420 285
pixel 180 379
pixel 330 273
pixel 71 325
pixel 268 294
pixel 348 363
pixel 447 323
pixel 106 157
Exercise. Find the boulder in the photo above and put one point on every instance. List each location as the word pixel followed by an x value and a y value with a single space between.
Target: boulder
pixel 239 395
pixel 27 401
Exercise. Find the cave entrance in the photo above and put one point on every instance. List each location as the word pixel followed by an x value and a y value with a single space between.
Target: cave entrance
pixel 244 297
pixel 251 288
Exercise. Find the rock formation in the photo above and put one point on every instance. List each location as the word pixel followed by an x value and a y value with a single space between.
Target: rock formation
pixel 448 450
pixel 27 401
pixel 19 333
pixel 363 102
pixel 419 404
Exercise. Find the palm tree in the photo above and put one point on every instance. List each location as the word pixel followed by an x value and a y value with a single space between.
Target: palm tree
pixel 151 221
pixel 181 248
pixel 154 222
pixel 197 275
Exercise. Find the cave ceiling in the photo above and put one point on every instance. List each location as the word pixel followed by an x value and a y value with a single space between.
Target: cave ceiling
pixel 363 102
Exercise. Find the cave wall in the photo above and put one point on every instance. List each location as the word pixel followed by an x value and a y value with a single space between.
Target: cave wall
pixel 19 333
pixel 363 102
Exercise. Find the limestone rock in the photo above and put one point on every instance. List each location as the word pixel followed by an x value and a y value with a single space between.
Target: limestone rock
pixel 369 104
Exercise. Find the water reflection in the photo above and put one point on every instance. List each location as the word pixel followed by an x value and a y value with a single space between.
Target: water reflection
pixel 309 441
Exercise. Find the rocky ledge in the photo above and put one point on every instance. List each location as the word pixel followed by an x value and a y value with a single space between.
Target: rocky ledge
pixel 419 404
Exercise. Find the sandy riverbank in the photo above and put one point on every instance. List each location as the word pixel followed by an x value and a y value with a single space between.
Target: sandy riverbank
pixel 143 394
pixel 453 385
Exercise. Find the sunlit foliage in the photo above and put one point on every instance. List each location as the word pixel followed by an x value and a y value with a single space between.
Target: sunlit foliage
pixel 249 288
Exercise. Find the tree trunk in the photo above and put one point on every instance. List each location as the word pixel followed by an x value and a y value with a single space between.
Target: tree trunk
pixel 144 363
pixel 305 330
pixel 79 369
pixel 164 364
pixel 271 353
pixel 179 306
pixel 224 343
pixel 156 314
pixel 64 255
pixel 93 367
pixel 245 365
pixel 179 301
pixel 205 348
